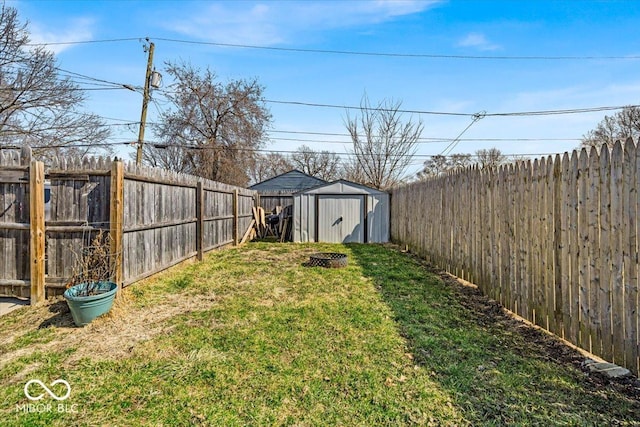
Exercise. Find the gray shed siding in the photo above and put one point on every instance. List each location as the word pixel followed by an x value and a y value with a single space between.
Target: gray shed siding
pixel 359 207
pixel 341 218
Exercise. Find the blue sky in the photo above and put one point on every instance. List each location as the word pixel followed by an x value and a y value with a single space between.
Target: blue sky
pixel 475 69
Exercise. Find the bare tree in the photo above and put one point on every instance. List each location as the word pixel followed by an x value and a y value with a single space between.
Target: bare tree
pixel 622 125
pixel 321 164
pixel 351 171
pixel 37 104
pixel 435 166
pixel 268 165
pixel 165 156
pixel 215 127
pixel 460 160
pixel 383 143
pixel 490 158
pixel 517 158
pixel 439 164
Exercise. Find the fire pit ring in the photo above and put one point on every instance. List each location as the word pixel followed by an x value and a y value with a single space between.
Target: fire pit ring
pixel 328 260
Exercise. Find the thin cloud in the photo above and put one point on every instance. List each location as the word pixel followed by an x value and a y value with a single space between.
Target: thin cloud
pixel 392 8
pixel 78 29
pixel 275 23
pixel 478 41
pixel 578 95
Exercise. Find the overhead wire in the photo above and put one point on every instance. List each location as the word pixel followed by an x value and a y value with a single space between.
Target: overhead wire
pixel 68 73
pixel 161 145
pixel 420 140
pixel 110 85
pixel 450 113
pixel 84 42
pixel 427 139
pixel 75 89
pixel 459 114
pixel 325 105
pixel 403 55
pixel 456 140
pixel 353 52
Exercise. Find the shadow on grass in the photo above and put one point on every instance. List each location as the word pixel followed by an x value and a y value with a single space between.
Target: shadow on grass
pixel 62 317
pixel 497 370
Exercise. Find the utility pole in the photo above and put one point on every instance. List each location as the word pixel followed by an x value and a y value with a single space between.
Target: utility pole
pixel 145 101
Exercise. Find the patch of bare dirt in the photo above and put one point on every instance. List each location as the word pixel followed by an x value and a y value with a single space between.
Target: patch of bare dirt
pixel 490 313
pixel 544 345
pixel 110 337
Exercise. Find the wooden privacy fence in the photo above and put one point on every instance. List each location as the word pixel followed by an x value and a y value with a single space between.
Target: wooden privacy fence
pixel 156 219
pixel 554 240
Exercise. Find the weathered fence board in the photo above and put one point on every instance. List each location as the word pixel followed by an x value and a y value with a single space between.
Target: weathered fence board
pixel 564 276
pixel 269 201
pixel 79 208
pixel 616 291
pixel 554 240
pixel 574 252
pixel 14 223
pixel 631 165
pixel 150 213
pixel 593 209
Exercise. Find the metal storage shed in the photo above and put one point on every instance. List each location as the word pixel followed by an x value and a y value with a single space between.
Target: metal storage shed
pixel 278 191
pixel 341 212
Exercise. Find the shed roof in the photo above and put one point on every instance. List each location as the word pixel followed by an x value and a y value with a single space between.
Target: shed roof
pixel 291 182
pixel 341 186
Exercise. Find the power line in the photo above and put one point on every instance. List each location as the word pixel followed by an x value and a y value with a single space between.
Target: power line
pixel 75 74
pixel 423 112
pixel 433 140
pixel 95 79
pixel 424 139
pixel 159 145
pixel 445 113
pixel 326 141
pixel 85 42
pixel 74 89
pixel 354 52
pixel 115 119
pixel 348 107
pixel 429 139
pixel 402 55
pixel 456 140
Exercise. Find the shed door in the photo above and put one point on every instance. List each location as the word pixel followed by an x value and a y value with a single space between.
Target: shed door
pixel 341 218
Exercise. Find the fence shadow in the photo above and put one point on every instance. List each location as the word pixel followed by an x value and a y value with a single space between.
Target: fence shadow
pixel 486 360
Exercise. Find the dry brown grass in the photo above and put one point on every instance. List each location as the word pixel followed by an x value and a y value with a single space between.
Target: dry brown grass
pixel 110 337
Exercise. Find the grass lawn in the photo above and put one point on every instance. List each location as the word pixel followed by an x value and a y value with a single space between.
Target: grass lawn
pixel 251 336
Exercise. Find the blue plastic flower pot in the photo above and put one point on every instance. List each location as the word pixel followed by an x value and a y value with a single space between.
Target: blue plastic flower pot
pixel 86 308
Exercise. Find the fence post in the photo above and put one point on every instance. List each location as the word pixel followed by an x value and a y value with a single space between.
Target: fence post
pixel 235 217
pixel 37 247
pixel 200 221
pixel 116 219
